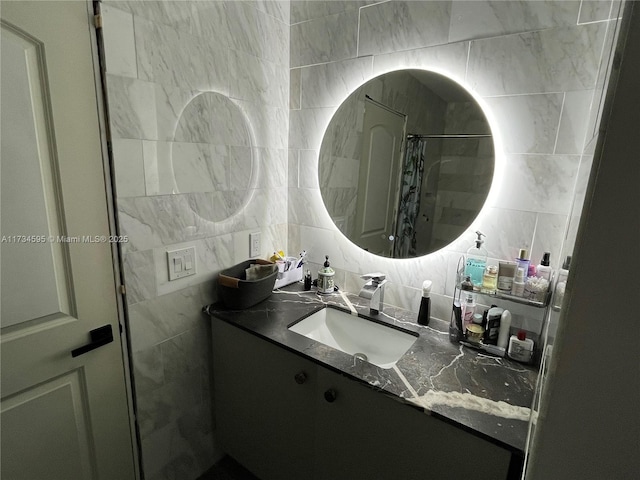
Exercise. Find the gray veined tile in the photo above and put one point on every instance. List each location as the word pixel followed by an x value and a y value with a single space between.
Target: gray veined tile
pixel 476 19
pixel 302 11
pixel 306 127
pixel 128 167
pixel 574 121
pixel 450 59
pixel 550 231
pixel 132 111
pixel 552 60
pixel 119 43
pixel 294 88
pixel 325 39
pixel 539 183
pixel 527 123
pixel 257 80
pixel 596 10
pixel 329 84
pixel 391 26
pixel 173 57
pixel 139 276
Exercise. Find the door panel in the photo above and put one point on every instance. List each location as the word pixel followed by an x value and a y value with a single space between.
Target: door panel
pixel 62 417
pixel 379 176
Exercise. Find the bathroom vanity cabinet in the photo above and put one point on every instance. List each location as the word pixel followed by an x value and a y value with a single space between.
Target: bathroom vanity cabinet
pixel 283 416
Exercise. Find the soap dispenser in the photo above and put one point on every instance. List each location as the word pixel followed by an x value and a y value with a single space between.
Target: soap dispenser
pixel 325 278
pixel 476 261
pixel 424 314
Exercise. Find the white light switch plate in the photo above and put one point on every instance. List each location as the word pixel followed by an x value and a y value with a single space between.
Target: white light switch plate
pixel 181 263
pixel 254 244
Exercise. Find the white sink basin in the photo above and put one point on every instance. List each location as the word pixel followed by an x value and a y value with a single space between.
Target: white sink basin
pixel 381 344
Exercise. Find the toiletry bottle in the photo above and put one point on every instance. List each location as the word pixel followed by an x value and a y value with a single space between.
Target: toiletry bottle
pixel 521 347
pixel 506 273
pixel 544 270
pixel 493 325
pixel 476 261
pixel 503 333
pixel 468 309
pixel 523 262
pixel 307 280
pixel 424 314
pixel 325 277
pixel 490 279
pixel 561 284
pixel 518 283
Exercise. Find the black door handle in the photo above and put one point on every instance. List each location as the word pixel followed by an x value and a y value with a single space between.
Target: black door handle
pixel 99 337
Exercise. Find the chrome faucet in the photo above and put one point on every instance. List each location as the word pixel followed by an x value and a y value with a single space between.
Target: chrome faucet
pixel 374 291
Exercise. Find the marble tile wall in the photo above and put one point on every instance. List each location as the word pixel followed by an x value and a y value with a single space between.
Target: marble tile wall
pixel 168 179
pixel 534 64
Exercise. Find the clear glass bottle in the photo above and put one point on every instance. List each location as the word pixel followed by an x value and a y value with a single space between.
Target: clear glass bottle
pixel 490 279
pixel 476 261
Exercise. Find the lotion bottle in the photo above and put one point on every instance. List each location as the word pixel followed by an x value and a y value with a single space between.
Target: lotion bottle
pixel 505 325
pixel 544 270
pixel 517 289
pixel 424 314
pixel 476 261
pixel 521 347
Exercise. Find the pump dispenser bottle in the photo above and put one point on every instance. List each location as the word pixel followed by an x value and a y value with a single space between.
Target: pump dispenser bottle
pixel 544 270
pixel 424 314
pixel 476 261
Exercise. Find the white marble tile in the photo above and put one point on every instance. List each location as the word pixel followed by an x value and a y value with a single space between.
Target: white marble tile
pixel 325 39
pixel 268 124
pixel 450 59
pixel 302 11
pixel 595 10
pixel 199 167
pixel 491 18
pixel 295 88
pixel 308 169
pixel 572 132
pixel 166 56
pixel 175 14
pixel 119 43
pixel 256 80
pixel 209 21
pixel 305 207
pixel 242 168
pixel 273 168
pixel 539 183
pixel 268 207
pixel 329 84
pixel 307 127
pixel 293 166
pixel 132 112
pixel 415 24
pixel 169 104
pixel 139 275
pixel 153 221
pixel 276 8
pixel 147 370
pixel 551 60
pixel 253 32
pixel 157 319
pixel 527 123
pixel 158 168
pixel 128 167
pixel 550 231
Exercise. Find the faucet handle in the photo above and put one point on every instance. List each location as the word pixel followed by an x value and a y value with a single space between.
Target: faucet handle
pixel 376 277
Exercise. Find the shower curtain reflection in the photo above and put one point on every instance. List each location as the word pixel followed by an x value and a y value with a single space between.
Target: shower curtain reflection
pixel 409 203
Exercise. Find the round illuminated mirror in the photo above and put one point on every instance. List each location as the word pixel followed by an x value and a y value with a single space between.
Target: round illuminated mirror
pixel 406 163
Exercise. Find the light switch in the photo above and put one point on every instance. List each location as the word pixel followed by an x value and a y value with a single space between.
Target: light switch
pixel 181 263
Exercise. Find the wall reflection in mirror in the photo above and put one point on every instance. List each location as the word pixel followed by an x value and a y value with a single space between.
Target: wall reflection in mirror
pixel 406 163
pixel 211 157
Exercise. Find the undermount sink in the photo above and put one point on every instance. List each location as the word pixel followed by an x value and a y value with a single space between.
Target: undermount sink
pixel 380 344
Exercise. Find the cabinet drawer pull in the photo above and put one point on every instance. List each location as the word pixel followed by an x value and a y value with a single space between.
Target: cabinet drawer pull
pixel 330 395
pixel 300 378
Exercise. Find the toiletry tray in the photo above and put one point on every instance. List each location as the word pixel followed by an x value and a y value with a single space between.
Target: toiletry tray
pixel 235 291
pixel 288 277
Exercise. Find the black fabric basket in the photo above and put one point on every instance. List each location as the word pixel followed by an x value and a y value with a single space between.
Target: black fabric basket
pixel 236 292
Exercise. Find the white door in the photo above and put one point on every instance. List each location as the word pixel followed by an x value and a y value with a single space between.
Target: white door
pixel 379 178
pixel 62 416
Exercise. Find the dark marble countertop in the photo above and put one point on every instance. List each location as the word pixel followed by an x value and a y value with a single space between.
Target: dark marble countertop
pixel 485 395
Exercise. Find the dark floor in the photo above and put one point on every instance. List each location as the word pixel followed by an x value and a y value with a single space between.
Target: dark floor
pixel 228 469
